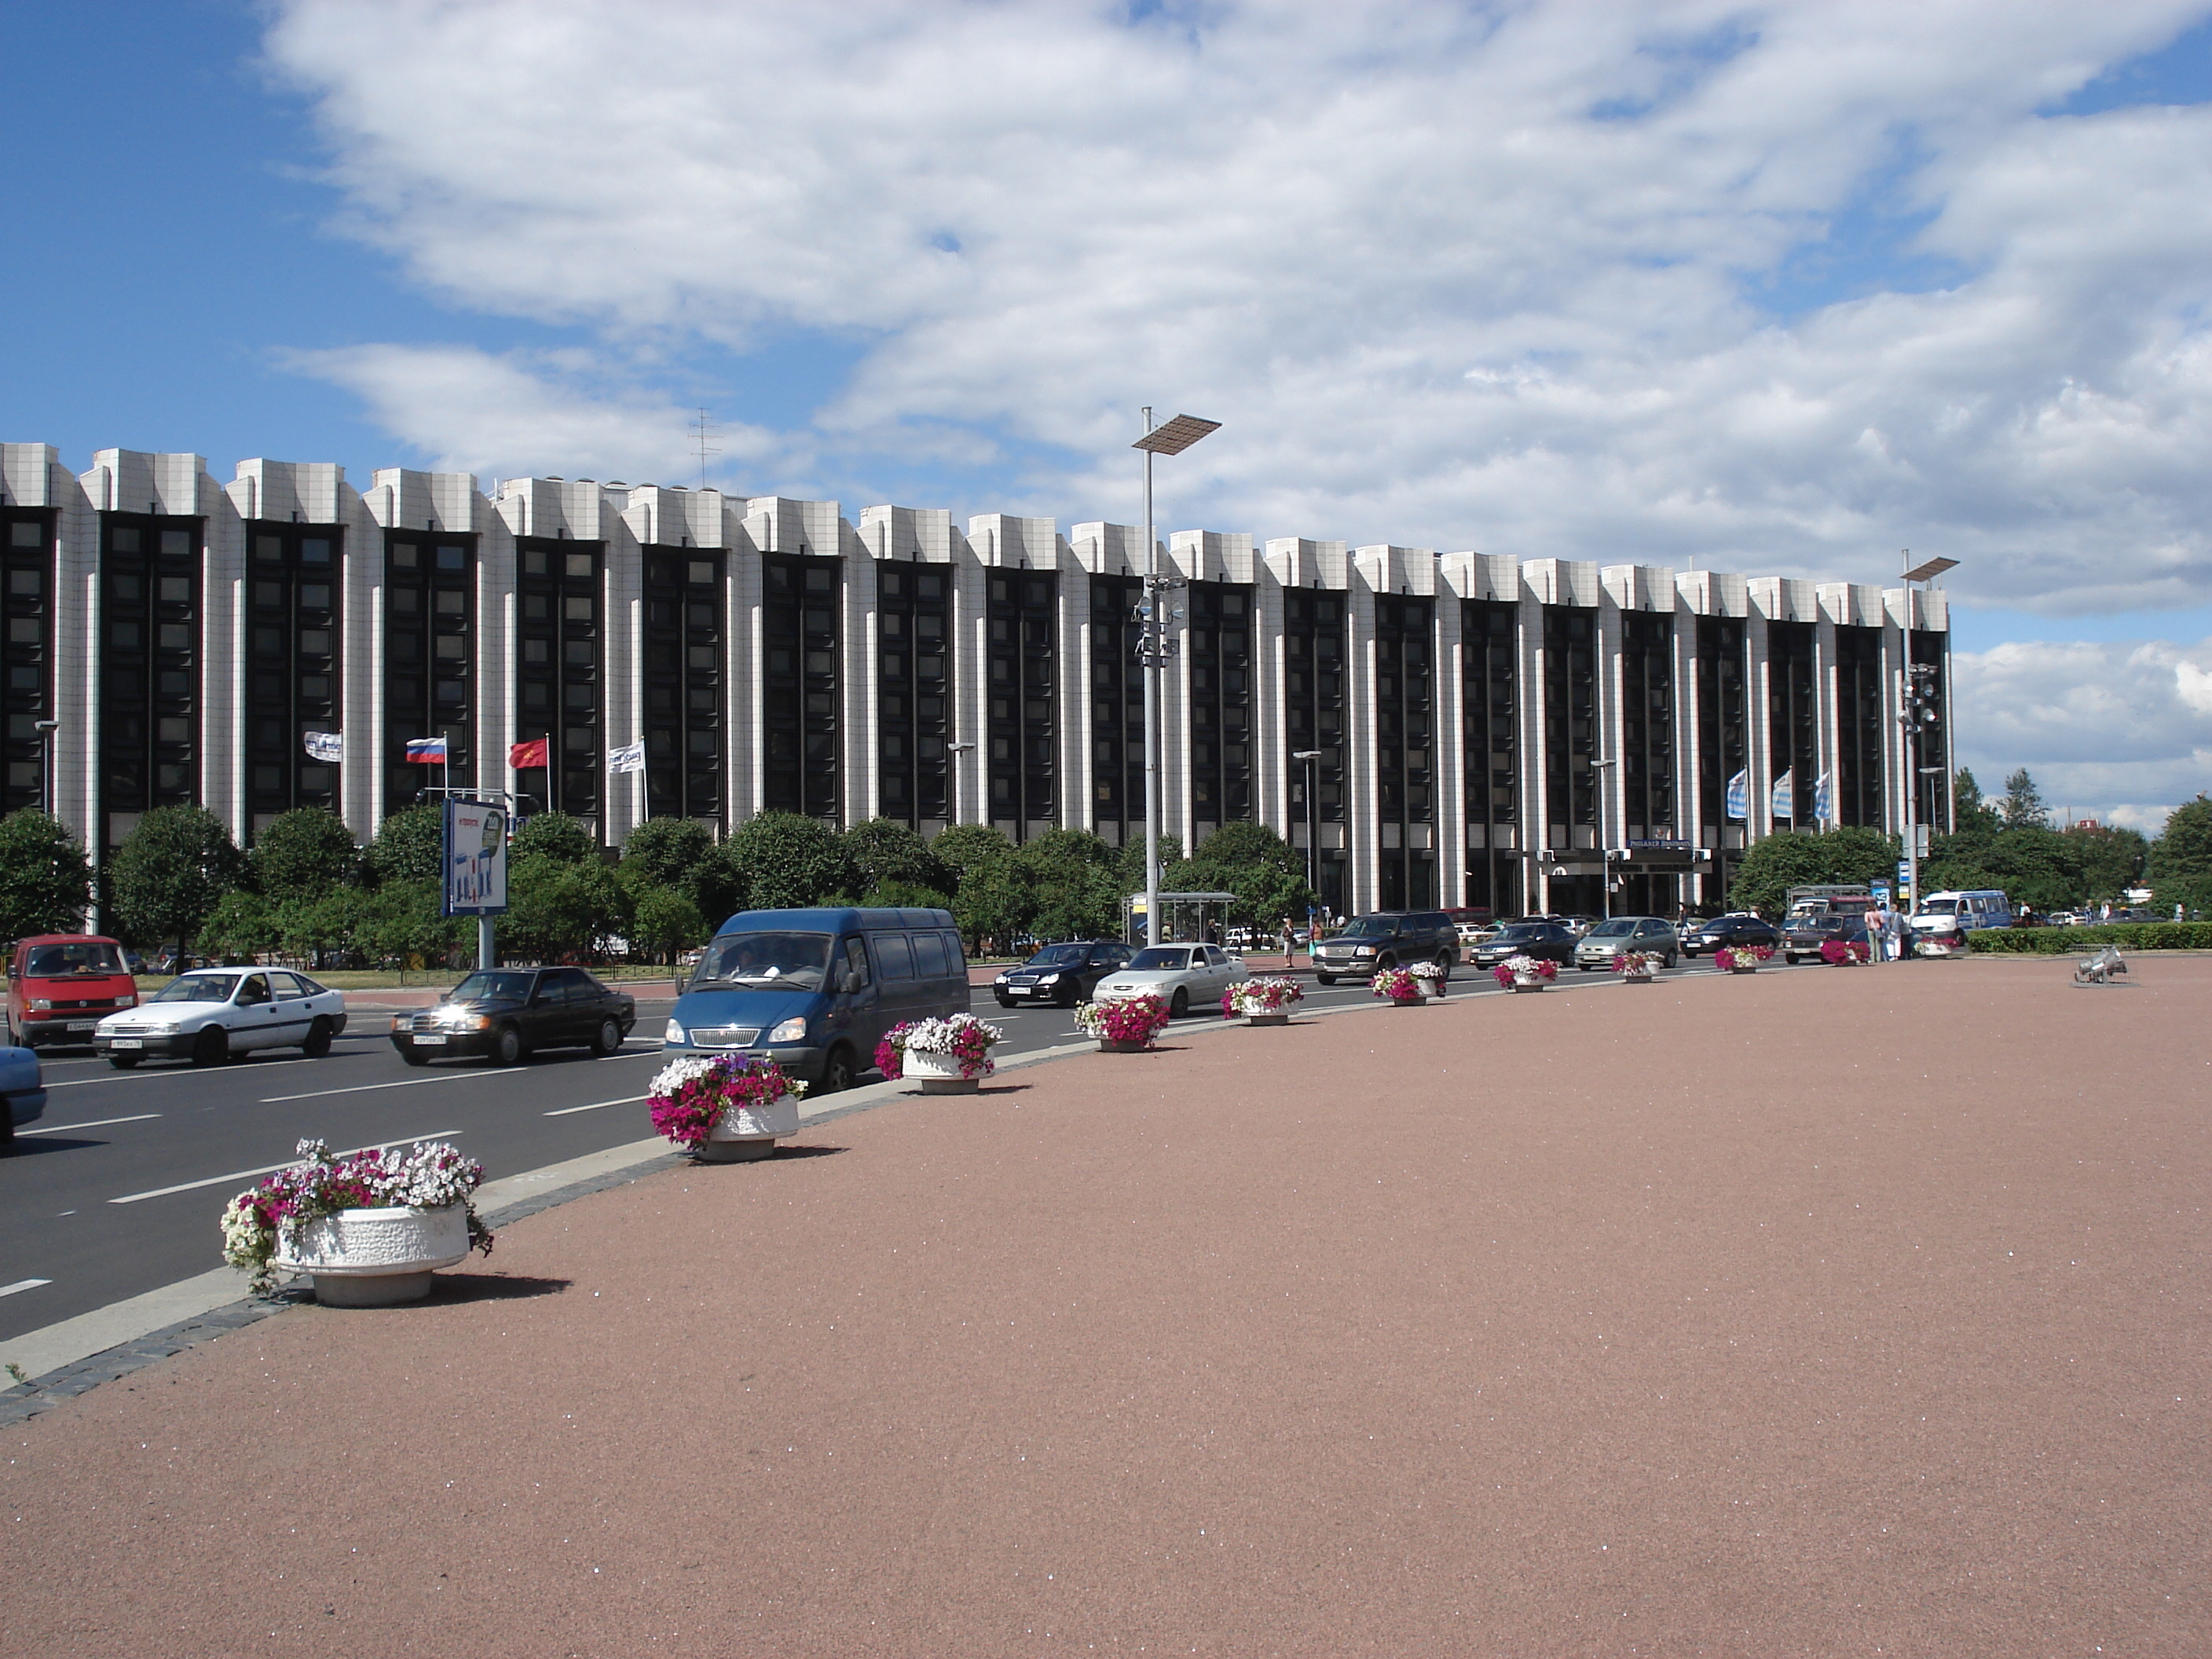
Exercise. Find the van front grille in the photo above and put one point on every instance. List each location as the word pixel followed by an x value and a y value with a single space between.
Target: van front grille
pixel 724 1037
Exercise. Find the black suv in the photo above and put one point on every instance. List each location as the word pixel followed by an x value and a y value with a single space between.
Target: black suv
pixel 1065 973
pixel 1387 938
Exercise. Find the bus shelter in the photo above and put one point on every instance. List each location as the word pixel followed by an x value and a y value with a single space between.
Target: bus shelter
pixel 1185 918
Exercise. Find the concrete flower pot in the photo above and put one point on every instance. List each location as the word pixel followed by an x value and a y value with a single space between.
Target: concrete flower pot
pixel 748 1134
pixel 1278 1018
pixel 376 1258
pixel 1122 1046
pixel 938 1074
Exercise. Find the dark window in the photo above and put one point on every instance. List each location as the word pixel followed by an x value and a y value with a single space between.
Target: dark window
pixel 149 708
pixel 292 689
pixel 429 657
pixel 558 692
pixel 1405 635
pixel 798 685
pixel 1490 657
pixel 914 704
pixel 1022 608
pixel 1314 650
pixel 27 687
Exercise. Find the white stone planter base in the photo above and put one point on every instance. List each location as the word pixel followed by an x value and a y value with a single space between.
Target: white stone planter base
pixel 376 1258
pixel 1277 1018
pixel 1527 985
pixel 1638 979
pixel 749 1133
pixel 938 1074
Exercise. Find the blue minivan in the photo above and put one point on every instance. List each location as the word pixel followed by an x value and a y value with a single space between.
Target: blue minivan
pixel 815 990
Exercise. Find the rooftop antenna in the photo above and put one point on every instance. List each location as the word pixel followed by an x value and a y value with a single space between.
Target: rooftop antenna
pixel 702 433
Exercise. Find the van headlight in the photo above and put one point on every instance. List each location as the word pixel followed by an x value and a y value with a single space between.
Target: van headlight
pixel 674 1034
pixel 791 1030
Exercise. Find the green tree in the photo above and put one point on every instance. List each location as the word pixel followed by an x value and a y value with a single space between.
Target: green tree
pixel 2179 863
pixel 666 922
pixel 786 861
pixel 1077 894
pixel 2112 859
pixel 400 923
pixel 168 876
pixel 996 899
pixel 884 852
pixel 1265 872
pixel 2023 804
pixel 1973 813
pixel 240 925
pixel 669 853
pixel 554 836
pixel 1772 867
pixel 557 907
pixel 304 853
pixel 963 846
pixel 45 885
pixel 1129 865
pixel 410 846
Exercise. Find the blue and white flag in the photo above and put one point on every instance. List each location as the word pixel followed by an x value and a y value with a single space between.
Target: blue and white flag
pixel 1784 804
pixel 324 745
pixel 1820 799
pixel 1738 795
pixel 628 759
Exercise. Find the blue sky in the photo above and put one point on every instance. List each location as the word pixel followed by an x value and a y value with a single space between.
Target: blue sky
pixel 1773 288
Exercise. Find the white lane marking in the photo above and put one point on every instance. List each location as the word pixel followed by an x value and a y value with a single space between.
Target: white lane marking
pixel 271 1169
pixel 627 1100
pixel 23 1285
pixel 155 1076
pixel 363 1088
pixel 96 1123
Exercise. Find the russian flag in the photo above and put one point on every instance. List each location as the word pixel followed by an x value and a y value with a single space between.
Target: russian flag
pixel 427 751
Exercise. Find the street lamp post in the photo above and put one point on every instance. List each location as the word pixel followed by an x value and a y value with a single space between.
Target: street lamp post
pixel 1172 439
pixel 1604 848
pixel 1918 712
pixel 1311 758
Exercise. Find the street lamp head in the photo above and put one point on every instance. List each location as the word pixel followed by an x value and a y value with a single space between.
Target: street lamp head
pixel 1305 754
pixel 1173 437
pixel 47 725
pixel 1930 569
pixel 1599 766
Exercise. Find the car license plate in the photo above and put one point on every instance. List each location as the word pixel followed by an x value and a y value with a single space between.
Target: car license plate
pixel 430 1043
pixel 83 1025
pixel 127 1043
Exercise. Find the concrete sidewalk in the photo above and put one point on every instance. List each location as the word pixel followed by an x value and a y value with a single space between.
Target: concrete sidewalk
pixel 1831 1312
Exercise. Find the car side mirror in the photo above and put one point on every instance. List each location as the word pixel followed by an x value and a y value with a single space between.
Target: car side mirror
pixel 543 998
pixel 852 981
pixel 681 975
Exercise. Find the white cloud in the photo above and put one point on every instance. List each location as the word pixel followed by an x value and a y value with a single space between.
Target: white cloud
pixel 2120 732
pixel 1782 288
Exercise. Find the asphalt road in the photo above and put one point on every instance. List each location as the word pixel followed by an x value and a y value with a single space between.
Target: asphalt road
pixel 118 1190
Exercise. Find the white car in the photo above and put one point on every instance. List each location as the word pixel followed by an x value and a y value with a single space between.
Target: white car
pixel 211 1014
pixel 1184 974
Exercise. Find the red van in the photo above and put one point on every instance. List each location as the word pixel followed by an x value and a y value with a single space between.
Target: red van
pixel 60 985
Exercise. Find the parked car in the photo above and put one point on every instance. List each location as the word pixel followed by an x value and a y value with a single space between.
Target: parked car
pixel 1806 934
pixel 22 1082
pixel 1737 928
pixel 1387 938
pixel 1184 974
pixel 504 1014
pixel 213 1014
pixel 1598 947
pixel 816 989
pixel 1546 941
pixel 60 985
pixel 1065 973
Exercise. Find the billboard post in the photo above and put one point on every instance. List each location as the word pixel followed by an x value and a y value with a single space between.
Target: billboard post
pixel 474 882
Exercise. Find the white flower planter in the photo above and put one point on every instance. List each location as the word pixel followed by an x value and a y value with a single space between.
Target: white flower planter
pixel 1528 982
pixel 938 1074
pixel 748 1133
pixel 373 1258
pixel 1277 1017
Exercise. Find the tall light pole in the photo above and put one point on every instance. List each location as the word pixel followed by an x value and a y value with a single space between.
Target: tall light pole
pixel 1312 759
pixel 1604 850
pixel 953 751
pixel 1918 712
pixel 1173 439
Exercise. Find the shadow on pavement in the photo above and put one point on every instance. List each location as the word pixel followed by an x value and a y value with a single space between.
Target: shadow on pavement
pixel 493 1287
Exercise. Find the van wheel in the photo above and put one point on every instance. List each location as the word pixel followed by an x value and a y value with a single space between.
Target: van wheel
pixel 212 1047
pixel 1325 979
pixel 836 1072
pixel 609 1039
pixel 318 1039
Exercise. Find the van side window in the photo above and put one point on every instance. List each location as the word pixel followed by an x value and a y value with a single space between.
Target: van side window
pixel 953 954
pixel 894 957
pixel 929 957
pixel 856 960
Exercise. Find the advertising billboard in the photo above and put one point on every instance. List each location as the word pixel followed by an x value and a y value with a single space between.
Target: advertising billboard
pixel 476 859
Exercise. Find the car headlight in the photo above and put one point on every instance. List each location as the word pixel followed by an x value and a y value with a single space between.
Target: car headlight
pixel 40 1002
pixel 126 1001
pixel 1363 950
pixel 1048 979
pixel 674 1034
pixel 791 1030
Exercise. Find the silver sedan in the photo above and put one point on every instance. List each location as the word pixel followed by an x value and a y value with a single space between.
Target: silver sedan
pixel 1184 974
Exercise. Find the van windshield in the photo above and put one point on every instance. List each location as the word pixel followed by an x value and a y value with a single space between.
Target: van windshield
pixel 798 961
pixel 82 957
pixel 1940 907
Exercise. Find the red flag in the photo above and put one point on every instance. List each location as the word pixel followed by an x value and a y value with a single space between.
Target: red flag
pixel 528 756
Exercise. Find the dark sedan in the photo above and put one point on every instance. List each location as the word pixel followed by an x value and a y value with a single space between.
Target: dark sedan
pixel 1065 973
pixel 505 1013
pixel 1740 928
pixel 1805 935
pixel 1545 941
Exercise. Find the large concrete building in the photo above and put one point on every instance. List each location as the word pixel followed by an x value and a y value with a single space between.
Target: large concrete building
pixel 1491 731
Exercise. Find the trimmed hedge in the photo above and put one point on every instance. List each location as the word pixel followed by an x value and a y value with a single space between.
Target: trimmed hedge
pixel 2066 941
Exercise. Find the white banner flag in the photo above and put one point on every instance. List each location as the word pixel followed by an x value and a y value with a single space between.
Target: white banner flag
pixel 1784 804
pixel 324 745
pixel 631 759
